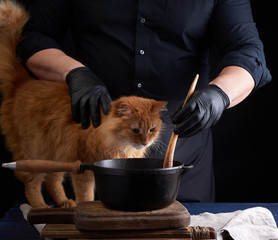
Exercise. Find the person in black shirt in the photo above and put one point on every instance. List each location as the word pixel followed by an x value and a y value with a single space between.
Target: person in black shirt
pixel 152 49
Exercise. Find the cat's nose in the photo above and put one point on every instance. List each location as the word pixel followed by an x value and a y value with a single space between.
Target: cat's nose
pixel 145 143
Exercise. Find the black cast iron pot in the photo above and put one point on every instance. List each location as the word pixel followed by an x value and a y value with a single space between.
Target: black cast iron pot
pixel 136 184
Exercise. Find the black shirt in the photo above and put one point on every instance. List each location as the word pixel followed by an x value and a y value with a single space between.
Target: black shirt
pixel 150 48
pixel 154 48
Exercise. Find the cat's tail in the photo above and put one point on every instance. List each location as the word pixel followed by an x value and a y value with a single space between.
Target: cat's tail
pixel 12 20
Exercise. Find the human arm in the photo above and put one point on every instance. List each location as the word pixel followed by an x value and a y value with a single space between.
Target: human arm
pixel 51 64
pixel 236 82
pixel 86 90
pixel 44 57
pixel 40 49
pixel 206 105
pixel 241 69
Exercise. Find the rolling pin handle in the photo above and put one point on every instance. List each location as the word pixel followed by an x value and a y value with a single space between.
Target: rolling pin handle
pixel 43 166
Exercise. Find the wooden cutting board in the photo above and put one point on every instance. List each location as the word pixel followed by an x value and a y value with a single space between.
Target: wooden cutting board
pixel 95 216
pixel 70 231
pixel 92 220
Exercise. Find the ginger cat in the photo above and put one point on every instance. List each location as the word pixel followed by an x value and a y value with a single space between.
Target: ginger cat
pixel 37 122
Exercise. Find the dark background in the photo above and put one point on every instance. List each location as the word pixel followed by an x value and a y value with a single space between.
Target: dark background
pixel 245 139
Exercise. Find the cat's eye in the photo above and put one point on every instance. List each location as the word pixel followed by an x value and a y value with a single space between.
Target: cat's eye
pixel 152 129
pixel 135 130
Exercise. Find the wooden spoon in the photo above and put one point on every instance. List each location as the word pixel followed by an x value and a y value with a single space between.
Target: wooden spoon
pixel 168 160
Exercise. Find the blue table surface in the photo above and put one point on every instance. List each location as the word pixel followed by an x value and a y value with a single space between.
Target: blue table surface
pixel 14 227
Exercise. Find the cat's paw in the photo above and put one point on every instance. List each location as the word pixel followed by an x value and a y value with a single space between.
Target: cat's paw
pixel 68 204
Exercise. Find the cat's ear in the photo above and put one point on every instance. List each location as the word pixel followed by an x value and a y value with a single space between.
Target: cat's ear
pixel 159 106
pixel 123 110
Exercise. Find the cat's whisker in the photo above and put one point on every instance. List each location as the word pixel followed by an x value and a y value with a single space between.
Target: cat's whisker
pixel 159 146
pixel 163 145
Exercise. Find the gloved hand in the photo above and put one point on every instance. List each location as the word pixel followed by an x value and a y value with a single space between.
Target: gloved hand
pixel 87 91
pixel 203 110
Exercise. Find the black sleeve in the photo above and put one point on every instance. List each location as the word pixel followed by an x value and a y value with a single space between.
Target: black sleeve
pixel 238 41
pixel 49 20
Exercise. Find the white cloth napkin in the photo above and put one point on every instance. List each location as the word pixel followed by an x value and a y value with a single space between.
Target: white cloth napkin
pixel 251 224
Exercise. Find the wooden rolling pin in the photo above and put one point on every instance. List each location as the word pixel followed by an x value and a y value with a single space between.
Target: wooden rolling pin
pixel 169 157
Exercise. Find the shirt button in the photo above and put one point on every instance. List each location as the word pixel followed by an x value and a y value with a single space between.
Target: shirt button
pixel 142 52
pixel 139 85
pixel 143 20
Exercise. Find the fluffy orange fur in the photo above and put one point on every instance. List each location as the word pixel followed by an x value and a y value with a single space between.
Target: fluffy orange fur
pixel 37 122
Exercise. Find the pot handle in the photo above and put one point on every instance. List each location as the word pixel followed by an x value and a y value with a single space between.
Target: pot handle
pixel 187 166
pixel 43 166
pixel 84 167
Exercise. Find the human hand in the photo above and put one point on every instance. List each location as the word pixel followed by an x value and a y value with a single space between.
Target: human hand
pixel 87 92
pixel 202 111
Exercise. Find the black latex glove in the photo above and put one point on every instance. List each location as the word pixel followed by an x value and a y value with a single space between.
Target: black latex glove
pixel 87 92
pixel 202 111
